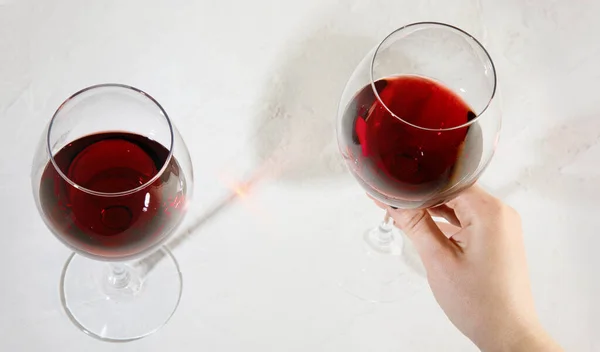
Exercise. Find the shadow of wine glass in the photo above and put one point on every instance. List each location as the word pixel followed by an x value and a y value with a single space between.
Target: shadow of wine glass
pixel 146 264
pixel 298 111
pixel 557 151
pixel 295 140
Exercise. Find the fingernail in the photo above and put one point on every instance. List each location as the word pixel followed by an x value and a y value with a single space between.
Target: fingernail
pixel 393 207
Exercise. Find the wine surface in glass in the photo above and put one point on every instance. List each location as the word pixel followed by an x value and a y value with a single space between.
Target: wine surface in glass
pixel 111 226
pixel 395 158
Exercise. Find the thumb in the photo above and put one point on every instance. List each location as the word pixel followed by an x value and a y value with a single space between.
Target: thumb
pixel 427 237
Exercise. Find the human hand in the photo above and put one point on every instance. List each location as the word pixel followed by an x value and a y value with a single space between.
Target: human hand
pixel 478 271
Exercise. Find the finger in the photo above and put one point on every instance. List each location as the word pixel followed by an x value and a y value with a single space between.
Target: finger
pixel 418 225
pixel 448 230
pixel 472 205
pixel 453 234
pixel 445 212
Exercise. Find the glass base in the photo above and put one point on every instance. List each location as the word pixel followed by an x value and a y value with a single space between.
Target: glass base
pixel 384 268
pixel 122 301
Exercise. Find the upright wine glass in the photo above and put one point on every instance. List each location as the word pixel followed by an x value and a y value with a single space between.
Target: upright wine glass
pixel 417 124
pixel 112 179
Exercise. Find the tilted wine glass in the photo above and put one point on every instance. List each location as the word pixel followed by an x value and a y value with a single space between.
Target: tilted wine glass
pixel 418 122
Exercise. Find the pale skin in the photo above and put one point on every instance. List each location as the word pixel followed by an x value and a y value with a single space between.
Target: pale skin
pixel 477 270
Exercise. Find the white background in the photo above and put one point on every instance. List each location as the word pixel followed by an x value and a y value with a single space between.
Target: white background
pixel 253 87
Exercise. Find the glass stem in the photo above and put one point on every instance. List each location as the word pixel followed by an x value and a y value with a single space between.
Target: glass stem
pixel 119 276
pixel 385 233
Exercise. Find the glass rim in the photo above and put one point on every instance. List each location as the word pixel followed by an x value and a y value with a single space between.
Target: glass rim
pixel 445 26
pixel 113 194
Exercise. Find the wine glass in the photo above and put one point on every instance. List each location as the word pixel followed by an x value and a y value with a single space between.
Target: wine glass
pixel 417 124
pixel 112 178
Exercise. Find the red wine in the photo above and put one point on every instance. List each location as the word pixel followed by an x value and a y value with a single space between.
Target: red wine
pixel 106 225
pixel 393 158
